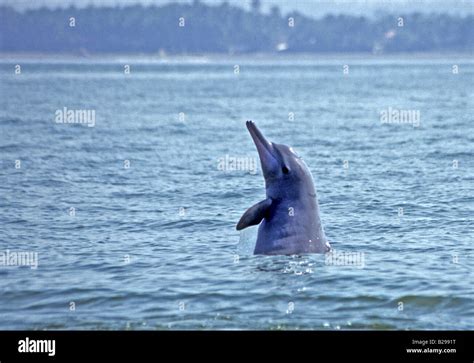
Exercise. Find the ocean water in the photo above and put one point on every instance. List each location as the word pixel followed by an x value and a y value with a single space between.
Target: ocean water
pixel 133 219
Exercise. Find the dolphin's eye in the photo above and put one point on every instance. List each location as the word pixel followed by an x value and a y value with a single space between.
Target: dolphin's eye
pixel 285 170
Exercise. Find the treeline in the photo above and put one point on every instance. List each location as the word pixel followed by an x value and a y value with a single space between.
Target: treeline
pixel 199 28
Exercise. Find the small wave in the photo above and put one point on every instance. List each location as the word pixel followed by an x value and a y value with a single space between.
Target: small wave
pixel 433 301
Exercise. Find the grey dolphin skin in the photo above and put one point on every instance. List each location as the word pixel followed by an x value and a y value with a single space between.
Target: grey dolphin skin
pixel 289 216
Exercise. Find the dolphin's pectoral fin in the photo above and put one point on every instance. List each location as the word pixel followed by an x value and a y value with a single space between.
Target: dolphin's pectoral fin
pixel 254 214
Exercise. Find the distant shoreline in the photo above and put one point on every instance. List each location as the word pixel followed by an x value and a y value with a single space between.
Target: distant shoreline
pixel 212 57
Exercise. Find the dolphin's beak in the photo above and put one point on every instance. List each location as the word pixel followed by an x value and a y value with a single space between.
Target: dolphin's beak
pixel 264 147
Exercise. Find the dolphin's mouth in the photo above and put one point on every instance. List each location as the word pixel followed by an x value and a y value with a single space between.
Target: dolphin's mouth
pixel 264 147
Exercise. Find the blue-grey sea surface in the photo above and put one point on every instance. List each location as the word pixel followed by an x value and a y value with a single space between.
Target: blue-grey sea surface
pixel 133 216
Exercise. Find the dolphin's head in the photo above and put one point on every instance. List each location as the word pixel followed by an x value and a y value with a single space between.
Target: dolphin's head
pixel 281 166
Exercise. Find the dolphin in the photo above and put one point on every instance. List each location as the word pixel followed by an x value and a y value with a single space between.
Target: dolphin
pixel 289 217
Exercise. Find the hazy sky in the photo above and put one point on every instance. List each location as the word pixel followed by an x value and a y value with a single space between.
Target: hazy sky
pixel 313 8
